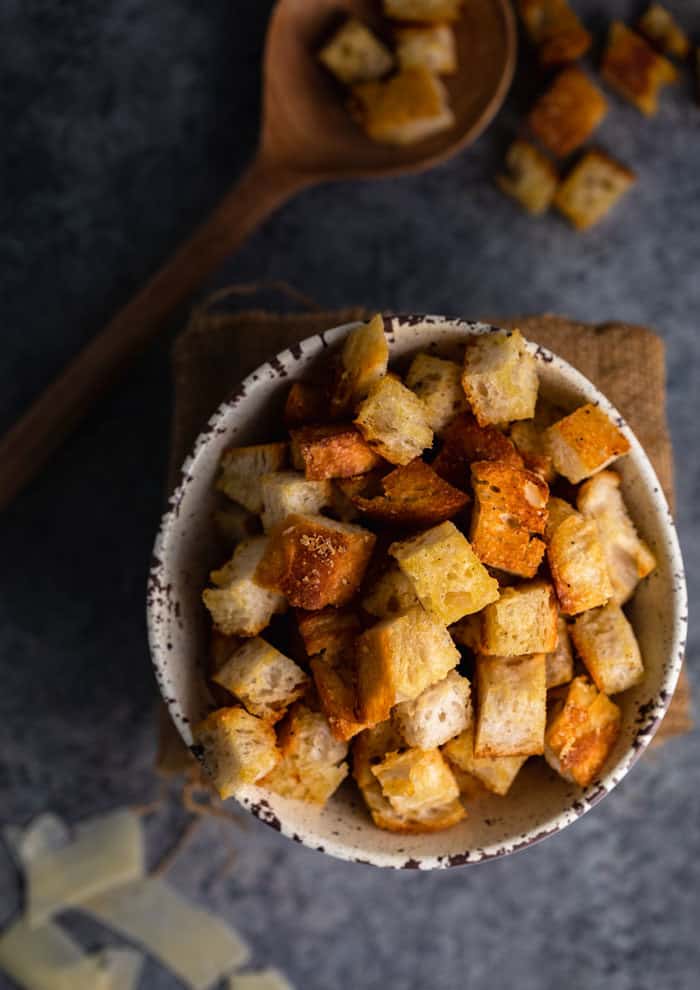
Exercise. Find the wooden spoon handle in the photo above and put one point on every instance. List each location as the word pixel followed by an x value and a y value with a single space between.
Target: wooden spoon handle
pixel 28 444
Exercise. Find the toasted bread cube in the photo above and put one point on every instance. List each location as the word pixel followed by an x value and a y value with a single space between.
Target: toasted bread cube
pixel 523 620
pixel 305 404
pixel 467 632
pixel 606 643
pixel 315 561
pixel 332 631
pixel 500 377
pixel 236 524
pixel 585 442
pixel 559 664
pixel 285 493
pixel 438 383
pixel 512 706
pixel 404 109
pixel 592 188
pixel 336 683
pixel 557 511
pixel 390 594
pixel 342 490
pixel 464 441
pixel 577 563
pixel 634 70
pixel 433 46
pixel 555 29
pixel 363 361
pixel 531 444
pixel 446 574
pixel 355 54
pixel 264 680
pixel 239 606
pixel 428 11
pixel 335 451
pixel 397 659
pixel 220 649
pixel 581 735
pixel 416 780
pixel 440 713
pixel 237 748
pixel 628 558
pixel 529 177
pixel 311 768
pixel 394 421
pixel 242 468
pixel 414 495
pixel 495 773
pixel 664 32
pixel 568 112
pixel 510 513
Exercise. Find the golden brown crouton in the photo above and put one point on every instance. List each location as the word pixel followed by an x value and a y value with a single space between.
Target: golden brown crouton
pixel 560 662
pixel 555 29
pixel 531 444
pixel 578 567
pixel 512 706
pixel 464 441
pixel 606 643
pixel 305 404
pixel 394 421
pixel 529 177
pixel 438 383
pixel 523 620
pixel 432 46
pixel 592 188
pixel 288 492
pixel 415 781
pixel 628 558
pixel 500 377
pixel 406 108
pixel 310 768
pixel 440 713
pixel 239 606
pixel 363 361
pixel 557 511
pixel 390 594
pixel 398 658
pixel 495 773
pixel 237 748
pixel 582 733
pixel 331 631
pixel 336 683
pixel 334 451
pixel 585 442
pixel 446 574
pixel 264 680
pixel 355 54
pixel 315 561
pixel 429 11
pixel 242 468
pixel 510 513
pixel 568 112
pixel 414 495
pixel 634 70
pixel 664 32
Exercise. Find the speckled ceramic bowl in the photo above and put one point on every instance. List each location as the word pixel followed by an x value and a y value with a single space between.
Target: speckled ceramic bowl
pixel 540 803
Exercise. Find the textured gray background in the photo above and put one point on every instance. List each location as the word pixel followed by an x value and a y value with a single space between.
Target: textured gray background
pixel 123 121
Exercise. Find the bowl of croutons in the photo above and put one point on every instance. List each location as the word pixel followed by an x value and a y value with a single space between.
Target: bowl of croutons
pixel 418 600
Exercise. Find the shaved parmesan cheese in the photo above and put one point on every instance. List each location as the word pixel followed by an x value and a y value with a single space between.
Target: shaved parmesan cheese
pixel 260 979
pixel 196 945
pixel 46 958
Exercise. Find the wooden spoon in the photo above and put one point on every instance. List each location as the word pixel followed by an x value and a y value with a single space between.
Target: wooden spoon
pixel 307 136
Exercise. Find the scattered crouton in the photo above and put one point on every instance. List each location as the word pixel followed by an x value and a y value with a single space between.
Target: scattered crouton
pixel 355 54
pixel 606 643
pixel 568 112
pixel 664 32
pixel 331 631
pixel 242 468
pixel 235 524
pixel 628 558
pixel 310 768
pixel 390 594
pixel 441 712
pixel 363 361
pixel 314 561
pixel 404 109
pixel 433 46
pixel 336 683
pixel 414 495
pixel 523 620
pixel 342 490
pixel 555 29
pixel 581 735
pixel 287 492
pixel 558 509
pixel 464 441
pixel 559 664
pixel 592 188
pixel 239 606
pixel 529 177
pixel 578 567
pixel 415 781
pixel 446 574
pixel 264 680
pixel 237 748
pixel 500 377
pixel 512 706
pixel 333 451
pixel 495 773
pixel 305 404
pixel 585 442
pixel 634 70
pixel 428 11
pixel 531 444
pixel 438 383
pixel 394 421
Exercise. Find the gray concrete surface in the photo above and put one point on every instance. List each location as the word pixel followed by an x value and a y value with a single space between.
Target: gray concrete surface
pixel 122 124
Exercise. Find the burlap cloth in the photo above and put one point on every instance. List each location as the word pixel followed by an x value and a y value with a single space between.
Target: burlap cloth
pixel 218 349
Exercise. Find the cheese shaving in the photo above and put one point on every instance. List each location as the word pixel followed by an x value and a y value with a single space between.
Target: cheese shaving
pixel 46 958
pixel 260 979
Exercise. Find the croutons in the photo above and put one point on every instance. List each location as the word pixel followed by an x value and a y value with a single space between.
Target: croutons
pixel 559 664
pixel 305 404
pixel 438 383
pixel 585 442
pixel 363 361
pixel 529 177
pixel 264 680
pixel 239 606
pixel 394 421
pixel 335 680
pixel 531 444
pixel 577 563
pixel 581 735
pixel 555 29
pixel 406 108
pixel 235 523
pixel 390 594
pixel 523 620
pixel 467 632
pixel 495 773
pixel 414 495
pixel 557 511
pixel 634 70
pixel 510 513
pixel 334 451
pixel 512 706
pixel 464 441
pixel 432 46
pixel 592 188
pixel 331 631
pixel 310 768
pixel 567 113
pixel 415 781
pixel 242 468
pixel 662 30
pixel 314 561
pixel 429 11
pixel 628 558
pixel 500 377
pixel 398 658
pixel 446 574
pixel 606 643
pixel 354 54
pixel 237 748
pixel 441 712
pixel 287 492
